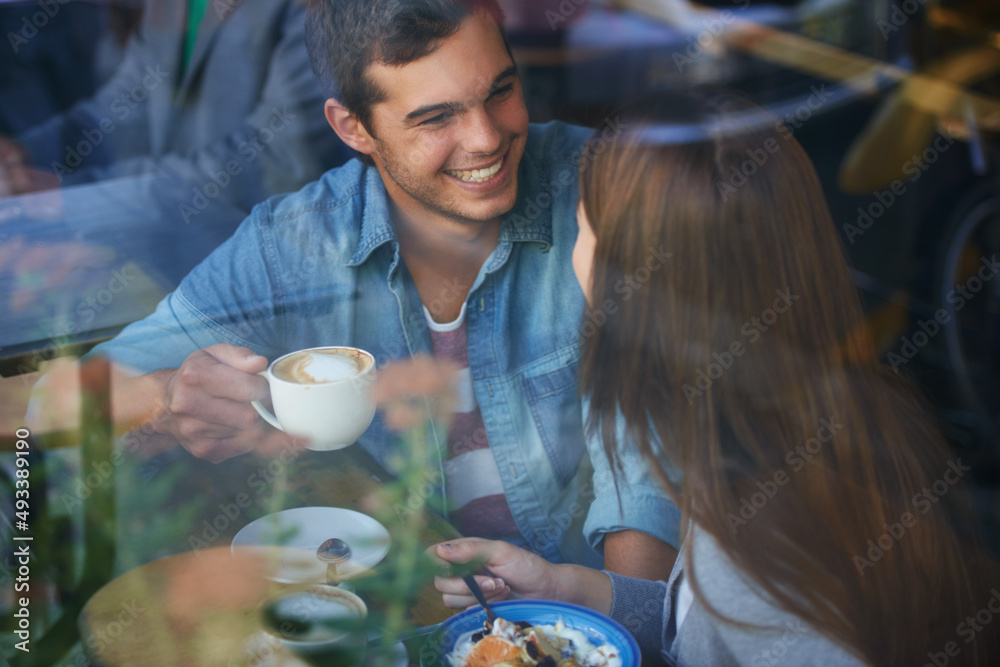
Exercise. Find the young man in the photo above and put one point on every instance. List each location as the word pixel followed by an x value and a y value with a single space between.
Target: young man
pixel 452 236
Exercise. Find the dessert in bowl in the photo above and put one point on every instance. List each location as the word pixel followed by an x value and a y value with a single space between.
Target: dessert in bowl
pixel 531 633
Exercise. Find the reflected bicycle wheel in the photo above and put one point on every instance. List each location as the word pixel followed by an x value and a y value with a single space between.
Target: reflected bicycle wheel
pixel 969 291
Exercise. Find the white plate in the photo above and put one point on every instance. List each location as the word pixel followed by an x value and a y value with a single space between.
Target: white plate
pixel 261 650
pixel 290 538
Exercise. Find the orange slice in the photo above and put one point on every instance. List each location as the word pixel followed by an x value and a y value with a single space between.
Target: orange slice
pixel 491 650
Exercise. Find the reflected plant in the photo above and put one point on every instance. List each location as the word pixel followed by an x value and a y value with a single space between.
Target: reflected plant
pixel 393 588
pixel 407 569
pixel 403 505
pixel 155 520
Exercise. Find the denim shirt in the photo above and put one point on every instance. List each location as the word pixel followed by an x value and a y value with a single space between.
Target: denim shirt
pixel 322 267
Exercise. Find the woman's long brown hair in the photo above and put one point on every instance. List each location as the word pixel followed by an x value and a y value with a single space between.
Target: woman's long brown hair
pixel 744 361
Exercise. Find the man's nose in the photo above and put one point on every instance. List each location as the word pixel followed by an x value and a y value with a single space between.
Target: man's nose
pixel 483 135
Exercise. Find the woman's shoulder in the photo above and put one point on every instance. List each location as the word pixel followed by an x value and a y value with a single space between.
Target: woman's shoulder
pixel 777 635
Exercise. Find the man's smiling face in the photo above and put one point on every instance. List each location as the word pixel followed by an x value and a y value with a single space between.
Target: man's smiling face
pixel 451 131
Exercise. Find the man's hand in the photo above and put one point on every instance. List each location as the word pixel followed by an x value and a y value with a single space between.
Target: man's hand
pixel 206 405
pixel 13 154
pixel 17 174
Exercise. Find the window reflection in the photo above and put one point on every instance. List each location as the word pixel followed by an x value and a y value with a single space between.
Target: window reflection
pixel 140 140
pixel 147 172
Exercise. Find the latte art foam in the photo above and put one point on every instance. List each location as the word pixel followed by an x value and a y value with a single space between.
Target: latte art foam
pixel 317 367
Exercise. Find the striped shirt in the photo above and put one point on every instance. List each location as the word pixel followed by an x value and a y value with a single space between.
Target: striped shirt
pixel 478 505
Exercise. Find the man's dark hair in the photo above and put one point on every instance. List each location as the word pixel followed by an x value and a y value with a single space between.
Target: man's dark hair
pixel 344 37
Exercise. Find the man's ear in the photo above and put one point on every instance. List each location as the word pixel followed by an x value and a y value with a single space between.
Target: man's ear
pixel 348 127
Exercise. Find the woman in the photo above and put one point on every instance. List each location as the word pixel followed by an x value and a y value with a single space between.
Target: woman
pixel 826 522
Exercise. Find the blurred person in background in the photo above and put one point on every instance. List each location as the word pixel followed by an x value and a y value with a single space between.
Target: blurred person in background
pixel 201 84
pixel 826 521
pixel 41 77
pixel 213 109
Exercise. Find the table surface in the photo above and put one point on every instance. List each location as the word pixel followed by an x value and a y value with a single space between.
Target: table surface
pixel 203 607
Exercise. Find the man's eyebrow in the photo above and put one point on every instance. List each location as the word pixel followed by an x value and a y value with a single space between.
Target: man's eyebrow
pixel 423 111
pixel 510 71
pixel 456 106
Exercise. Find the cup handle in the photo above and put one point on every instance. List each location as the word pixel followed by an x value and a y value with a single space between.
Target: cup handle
pixel 266 414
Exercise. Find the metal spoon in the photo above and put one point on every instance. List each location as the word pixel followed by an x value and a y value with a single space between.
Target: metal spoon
pixel 333 552
pixel 470 581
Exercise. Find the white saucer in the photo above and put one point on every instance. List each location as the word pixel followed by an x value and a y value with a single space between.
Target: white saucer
pixel 291 537
pixel 261 650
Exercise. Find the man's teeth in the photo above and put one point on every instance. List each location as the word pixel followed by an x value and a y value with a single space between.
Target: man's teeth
pixel 478 175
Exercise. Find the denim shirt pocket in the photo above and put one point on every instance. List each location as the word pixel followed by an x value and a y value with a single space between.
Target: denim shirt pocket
pixel 555 407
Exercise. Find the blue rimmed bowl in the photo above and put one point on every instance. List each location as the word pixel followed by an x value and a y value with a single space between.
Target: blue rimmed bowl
pixel 597 628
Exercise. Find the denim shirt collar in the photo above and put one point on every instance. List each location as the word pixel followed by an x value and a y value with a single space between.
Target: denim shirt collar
pixel 520 224
pixel 523 223
pixel 376 223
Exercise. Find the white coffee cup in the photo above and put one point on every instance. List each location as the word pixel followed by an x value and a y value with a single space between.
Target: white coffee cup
pixel 322 394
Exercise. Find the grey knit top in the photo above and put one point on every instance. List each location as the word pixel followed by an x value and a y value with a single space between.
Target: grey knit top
pixel 648 610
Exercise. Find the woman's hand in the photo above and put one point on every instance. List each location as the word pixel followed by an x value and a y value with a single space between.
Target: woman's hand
pixel 509 572
pixel 512 572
